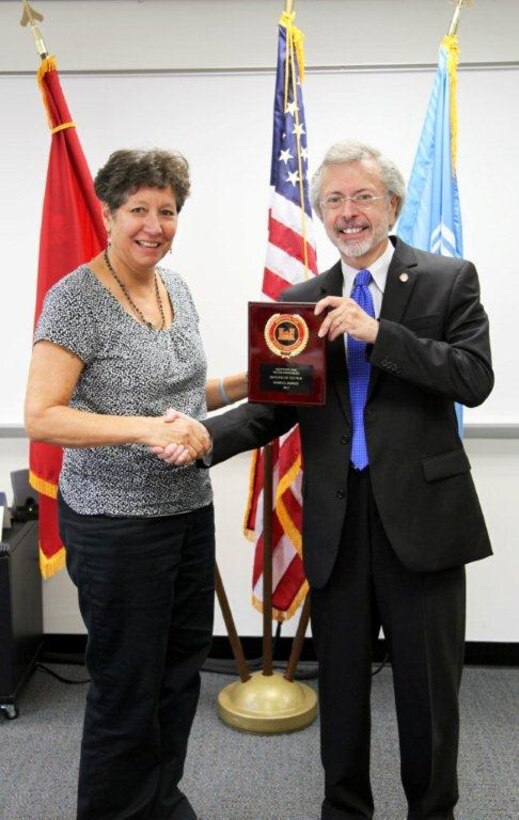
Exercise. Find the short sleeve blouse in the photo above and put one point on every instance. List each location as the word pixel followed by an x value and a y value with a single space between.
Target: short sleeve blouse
pixel 130 370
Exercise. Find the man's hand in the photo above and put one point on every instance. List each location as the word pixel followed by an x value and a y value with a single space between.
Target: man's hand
pixel 346 316
pixel 188 440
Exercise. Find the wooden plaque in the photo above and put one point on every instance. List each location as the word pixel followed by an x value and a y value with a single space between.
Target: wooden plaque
pixel 287 359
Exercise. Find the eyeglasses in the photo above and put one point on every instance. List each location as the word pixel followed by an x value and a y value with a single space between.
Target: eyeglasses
pixel 335 201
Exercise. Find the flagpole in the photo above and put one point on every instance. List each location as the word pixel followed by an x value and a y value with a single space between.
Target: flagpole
pixel 298 642
pixel 269 702
pixel 456 16
pixel 234 639
pixel 267 559
pixel 30 16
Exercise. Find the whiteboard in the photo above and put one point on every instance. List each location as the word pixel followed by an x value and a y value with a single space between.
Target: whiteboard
pixel 223 124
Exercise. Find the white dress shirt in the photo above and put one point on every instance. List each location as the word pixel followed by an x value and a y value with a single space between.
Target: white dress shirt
pixel 378 270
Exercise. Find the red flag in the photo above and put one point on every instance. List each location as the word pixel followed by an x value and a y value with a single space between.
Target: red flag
pixel 72 232
pixel 290 259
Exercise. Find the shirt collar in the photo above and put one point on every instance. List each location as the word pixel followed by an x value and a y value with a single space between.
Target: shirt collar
pixel 378 270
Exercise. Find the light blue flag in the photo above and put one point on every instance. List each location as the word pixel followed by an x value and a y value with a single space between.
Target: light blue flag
pixel 431 219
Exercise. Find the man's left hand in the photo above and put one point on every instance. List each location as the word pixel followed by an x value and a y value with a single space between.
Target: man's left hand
pixel 346 316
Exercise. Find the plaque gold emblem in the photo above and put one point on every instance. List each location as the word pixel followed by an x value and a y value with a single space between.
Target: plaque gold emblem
pixel 286 334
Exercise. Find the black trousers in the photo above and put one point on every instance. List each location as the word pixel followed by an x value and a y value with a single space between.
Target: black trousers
pixel 423 618
pixel 146 594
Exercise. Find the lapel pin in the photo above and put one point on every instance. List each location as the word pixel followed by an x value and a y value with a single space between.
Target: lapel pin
pixel 404 277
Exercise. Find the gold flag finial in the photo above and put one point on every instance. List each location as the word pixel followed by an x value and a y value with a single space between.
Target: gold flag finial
pixel 456 16
pixel 29 16
pixel 289 6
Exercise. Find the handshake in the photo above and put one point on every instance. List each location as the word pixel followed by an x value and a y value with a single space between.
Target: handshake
pixel 178 439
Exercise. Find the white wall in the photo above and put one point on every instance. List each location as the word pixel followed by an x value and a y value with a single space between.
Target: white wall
pixel 222 122
pixel 190 35
pixel 120 35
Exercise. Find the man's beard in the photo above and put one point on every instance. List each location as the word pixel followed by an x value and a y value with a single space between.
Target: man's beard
pixel 363 245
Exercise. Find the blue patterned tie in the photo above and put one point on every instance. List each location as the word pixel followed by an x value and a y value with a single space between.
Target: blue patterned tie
pixel 358 373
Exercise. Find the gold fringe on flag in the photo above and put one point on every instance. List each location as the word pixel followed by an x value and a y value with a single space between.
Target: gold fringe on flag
pixel 450 43
pixel 46 65
pixel 284 615
pixel 50 566
pixel 295 41
pixel 47 488
pixel 284 516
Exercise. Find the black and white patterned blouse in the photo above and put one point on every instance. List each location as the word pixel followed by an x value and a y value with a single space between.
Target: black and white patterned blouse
pixel 130 370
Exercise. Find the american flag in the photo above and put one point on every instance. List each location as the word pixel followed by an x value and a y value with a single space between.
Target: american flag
pixel 290 259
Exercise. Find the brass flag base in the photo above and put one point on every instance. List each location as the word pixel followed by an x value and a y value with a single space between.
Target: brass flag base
pixel 267 704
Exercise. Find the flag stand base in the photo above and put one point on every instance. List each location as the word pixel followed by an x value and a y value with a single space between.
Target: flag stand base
pixel 267 704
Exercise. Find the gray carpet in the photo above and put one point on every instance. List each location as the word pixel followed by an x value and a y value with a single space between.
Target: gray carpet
pixel 235 776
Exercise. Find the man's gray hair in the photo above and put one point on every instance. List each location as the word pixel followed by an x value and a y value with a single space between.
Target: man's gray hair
pixel 353 151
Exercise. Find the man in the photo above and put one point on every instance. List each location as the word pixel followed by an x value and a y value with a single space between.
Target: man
pixel 390 511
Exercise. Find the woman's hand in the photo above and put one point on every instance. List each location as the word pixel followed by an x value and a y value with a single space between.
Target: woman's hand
pixel 186 439
pixel 49 418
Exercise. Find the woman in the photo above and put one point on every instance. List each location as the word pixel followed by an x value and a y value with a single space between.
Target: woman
pixel 120 337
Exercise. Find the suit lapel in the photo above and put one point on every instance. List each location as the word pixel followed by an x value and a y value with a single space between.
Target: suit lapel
pixel 400 283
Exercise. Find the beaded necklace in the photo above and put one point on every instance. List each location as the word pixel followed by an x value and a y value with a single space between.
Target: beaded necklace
pixel 132 304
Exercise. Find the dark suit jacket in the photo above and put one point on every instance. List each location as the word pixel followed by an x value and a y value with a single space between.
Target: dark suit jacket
pixel 432 350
